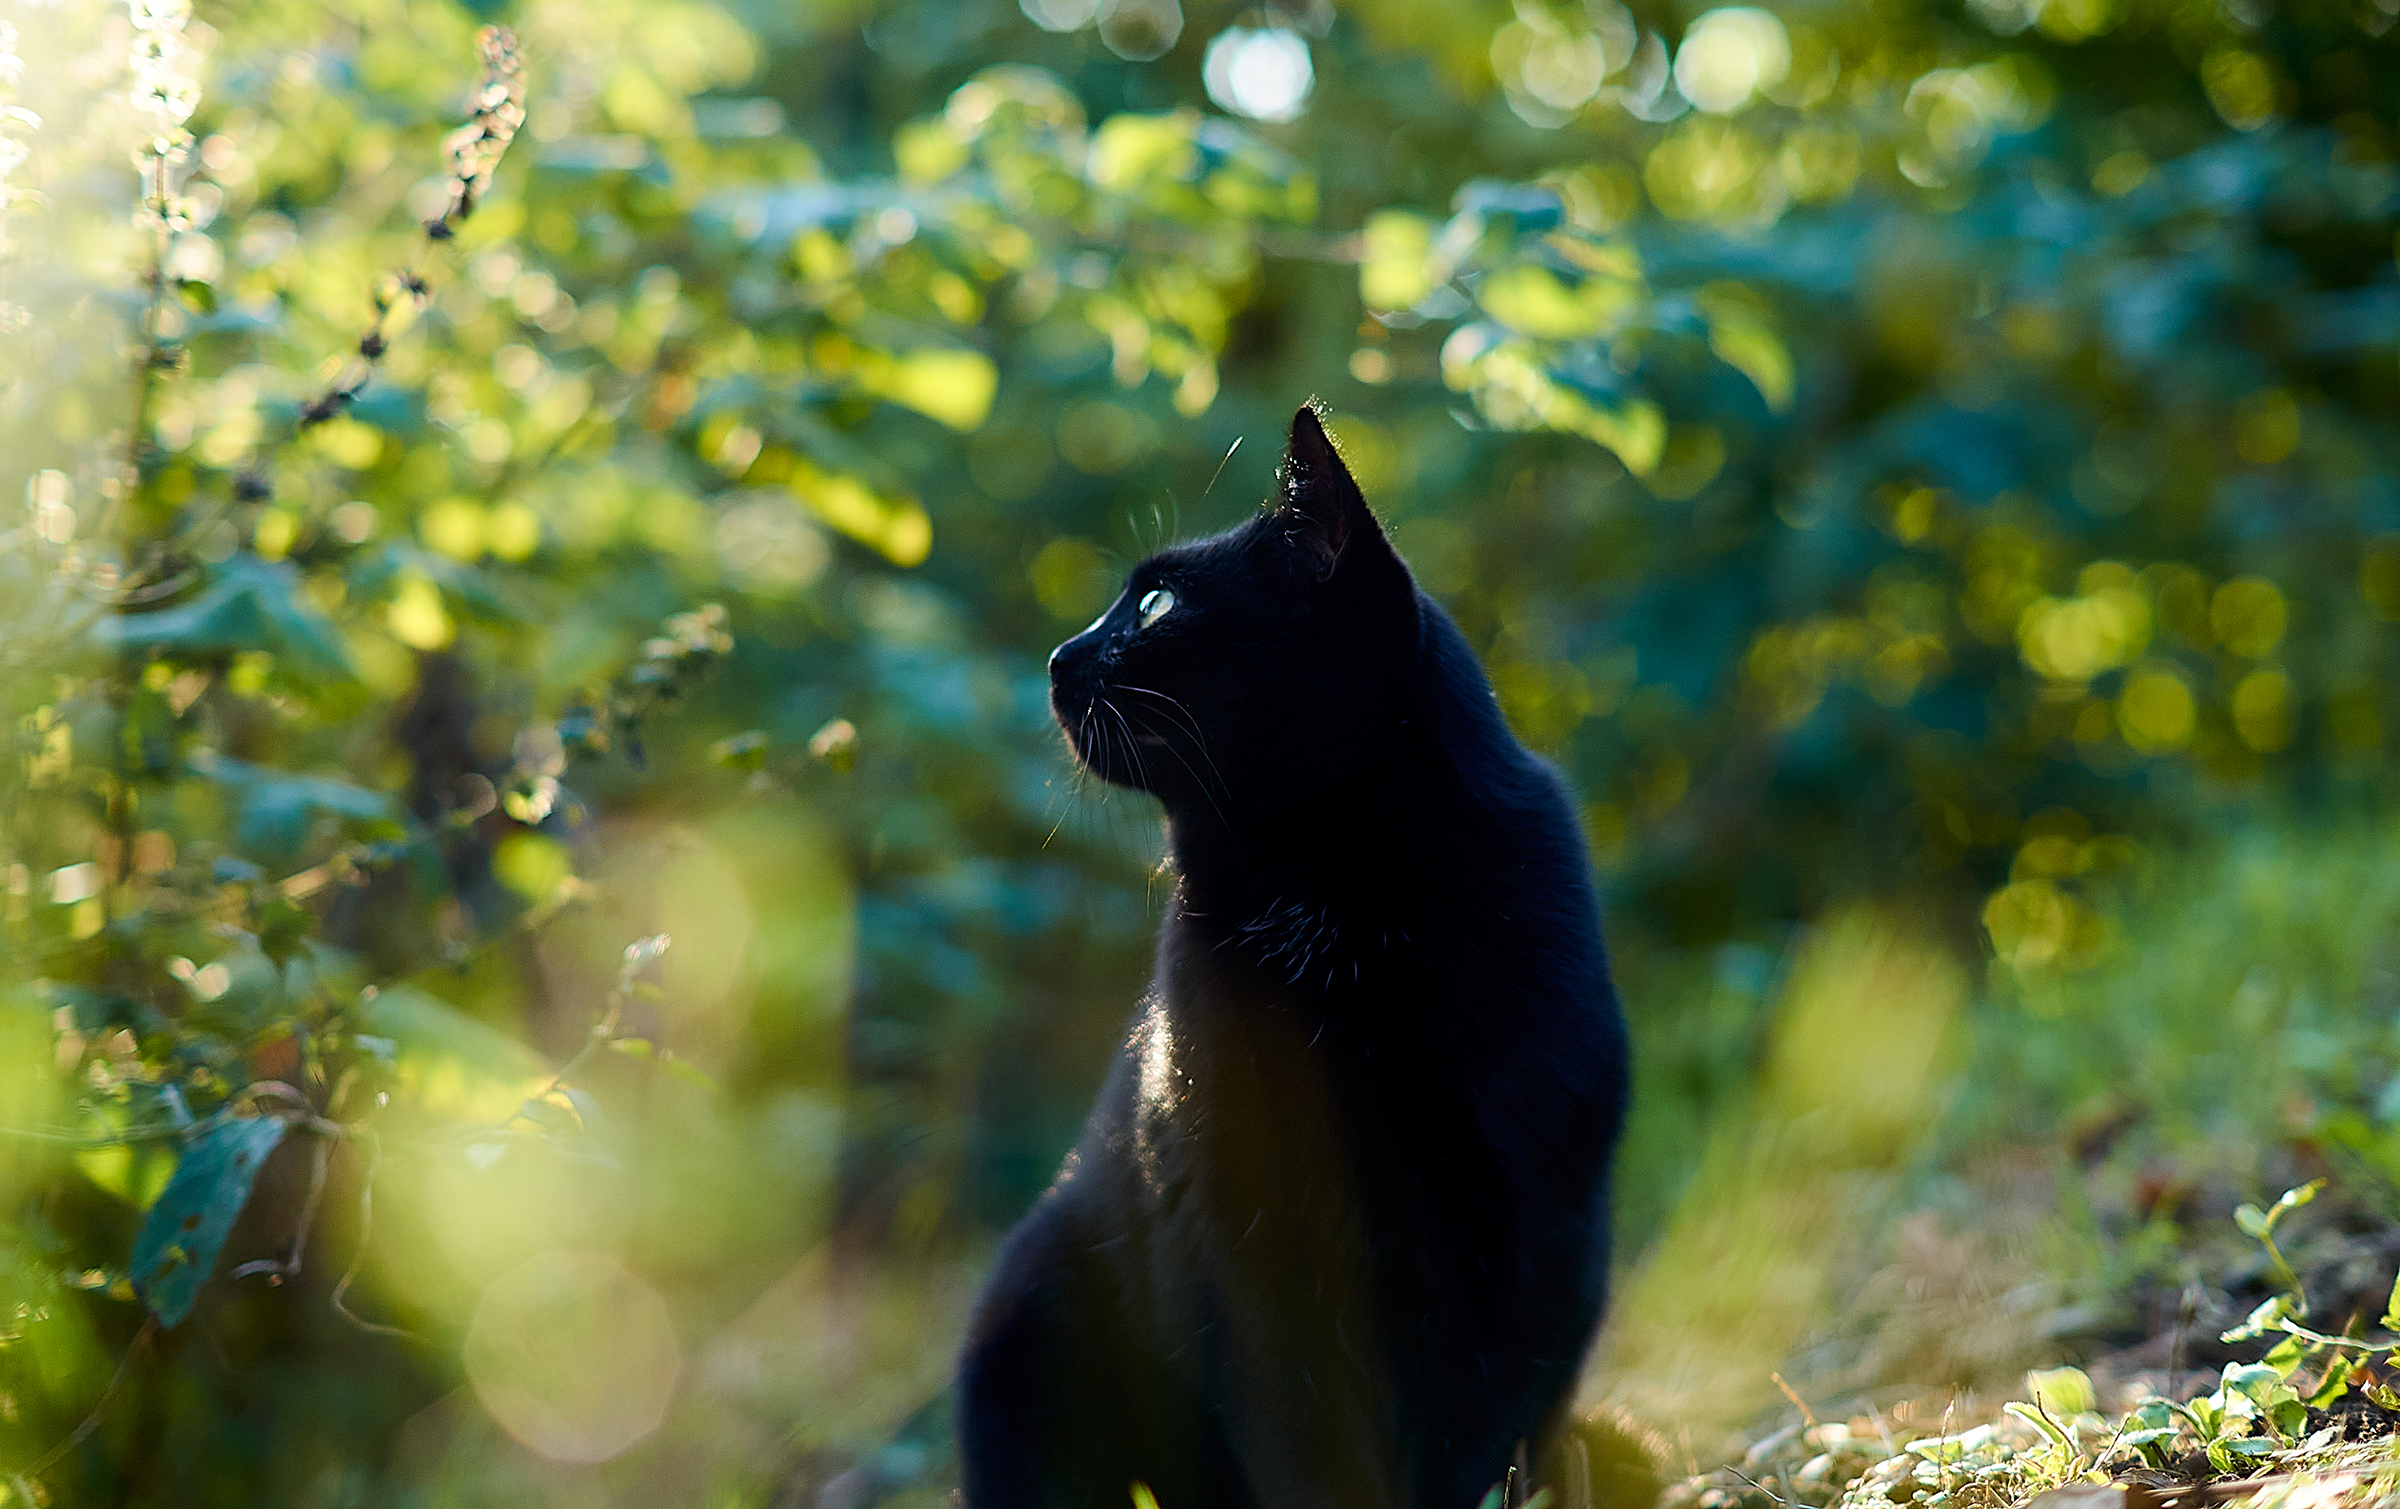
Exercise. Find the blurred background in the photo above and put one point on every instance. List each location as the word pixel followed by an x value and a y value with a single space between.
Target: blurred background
pixel 547 929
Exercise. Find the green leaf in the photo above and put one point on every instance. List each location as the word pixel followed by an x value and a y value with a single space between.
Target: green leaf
pixel 2039 1421
pixel 248 604
pixel 2260 1321
pixel 2335 1383
pixel 1393 273
pixel 176 1249
pixel 2289 1417
pixel 1530 298
pixel 277 806
pixel 282 927
pixel 432 1030
pixel 2063 1391
pixel 1758 353
pixel 2391 1309
pixel 2254 1381
pixel 470 587
pixel 954 386
pixel 2205 1414
pixel 1951 1448
pixel 2286 1356
pixel 2252 1220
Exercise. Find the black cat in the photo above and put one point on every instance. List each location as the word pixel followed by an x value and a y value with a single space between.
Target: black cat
pixel 1337 1231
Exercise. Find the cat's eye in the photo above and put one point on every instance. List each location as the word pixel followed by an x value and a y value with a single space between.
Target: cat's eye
pixel 1155 605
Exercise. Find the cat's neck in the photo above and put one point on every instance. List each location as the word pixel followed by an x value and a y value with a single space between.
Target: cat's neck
pixel 1352 844
pixel 1403 826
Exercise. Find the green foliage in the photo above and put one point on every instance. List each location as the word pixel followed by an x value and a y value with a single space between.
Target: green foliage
pixel 494 495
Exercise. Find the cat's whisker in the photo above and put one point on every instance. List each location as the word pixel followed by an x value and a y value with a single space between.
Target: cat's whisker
pixel 1133 745
pixel 1197 779
pixel 1067 800
pixel 1199 737
pixel 1220 471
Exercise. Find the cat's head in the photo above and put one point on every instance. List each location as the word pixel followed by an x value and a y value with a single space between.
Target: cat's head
pixel 1235 670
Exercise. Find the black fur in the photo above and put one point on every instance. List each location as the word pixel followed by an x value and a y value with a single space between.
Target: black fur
pixel 1337 1231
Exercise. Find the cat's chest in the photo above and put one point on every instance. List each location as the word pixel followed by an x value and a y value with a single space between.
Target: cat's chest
pixel 1252 1084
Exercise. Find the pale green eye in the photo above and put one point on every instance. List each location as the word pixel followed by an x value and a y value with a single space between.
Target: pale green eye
pixel 1155 605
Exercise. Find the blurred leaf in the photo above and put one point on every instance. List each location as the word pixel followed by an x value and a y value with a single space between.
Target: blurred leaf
pixel 1393 273
pixel 2035 1418
pixel 953 386
pixel 742 751
pixel 1532 299
pixel 1750 348
pixel 2063 1392
pixel 247 604
pixel 176 1249
pixel 277 806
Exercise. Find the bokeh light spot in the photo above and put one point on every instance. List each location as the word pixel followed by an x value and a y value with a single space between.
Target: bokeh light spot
pixel 573 1356
pixel 1139 30
pixel 1730 55
pixel 1060 15
pixel 1265 75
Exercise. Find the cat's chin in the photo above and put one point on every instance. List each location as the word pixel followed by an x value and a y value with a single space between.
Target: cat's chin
pixel 1103 742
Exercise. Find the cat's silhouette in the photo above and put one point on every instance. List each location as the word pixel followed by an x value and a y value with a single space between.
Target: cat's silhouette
pixel 1336 1232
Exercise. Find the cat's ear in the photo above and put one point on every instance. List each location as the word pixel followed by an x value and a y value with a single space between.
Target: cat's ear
pixel 1323 513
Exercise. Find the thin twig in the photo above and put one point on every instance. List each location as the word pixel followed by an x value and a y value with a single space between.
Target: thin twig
pixel 604 1031
pixel 358 1257
pixel 288 1266
pixel 91 1422
pixel 475 151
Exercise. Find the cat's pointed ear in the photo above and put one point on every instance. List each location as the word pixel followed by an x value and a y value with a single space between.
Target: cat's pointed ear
pixel 1323 512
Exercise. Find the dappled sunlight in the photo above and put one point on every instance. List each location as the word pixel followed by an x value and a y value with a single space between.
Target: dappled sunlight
pixel 1744 1273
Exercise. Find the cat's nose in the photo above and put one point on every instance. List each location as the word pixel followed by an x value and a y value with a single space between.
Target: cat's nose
pixel 1054 654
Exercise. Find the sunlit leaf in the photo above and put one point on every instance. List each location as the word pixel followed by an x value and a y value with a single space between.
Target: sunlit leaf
pixel 2041 1422
pixel 1393 273
pixel 952 385
pixel 1756 352
pixel 1532 299
pixel 2063 1392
